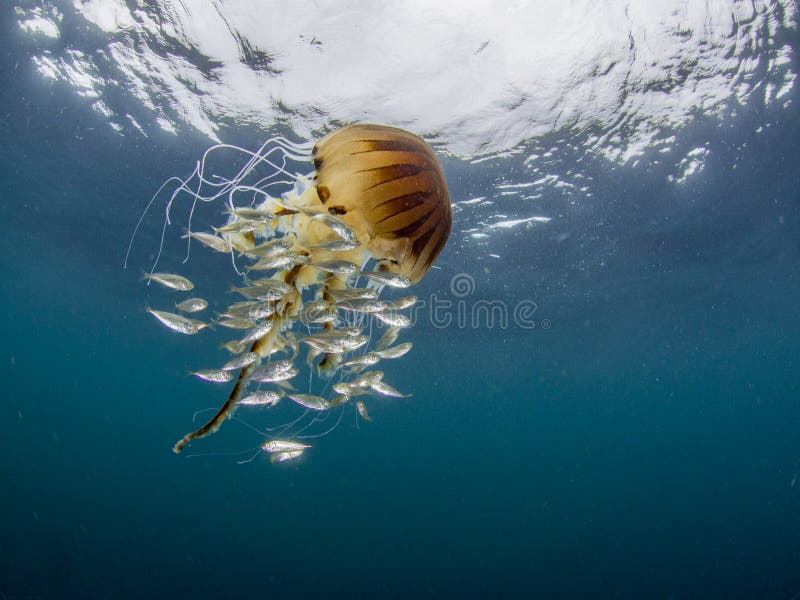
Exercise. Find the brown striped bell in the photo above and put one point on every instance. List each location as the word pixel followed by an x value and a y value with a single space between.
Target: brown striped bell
pixel 387 184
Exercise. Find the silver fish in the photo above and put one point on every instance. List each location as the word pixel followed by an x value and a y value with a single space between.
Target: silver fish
pixel 214 375
pixel 336 266
pixel 178 323
pixel 236 323
pixel 394 319
pixel 282 261
pixel 274 371
pixel 347 389
pixel 395 351
pixel 261 398
pixel 318 311
pixel 279 457
pixel 338 400
pixel 242 305
pixel 263 292
pixel 404 302
pixel 248 358
pixel 368 379
pixel 252 309
pixel 175 282
pixel 367 360
pixel 362 410
pixel 252 214
pixel 310 401
pixel 237 226
pixel 192 305
pixel 257 332
pixel 272 248
pixel 334 344
pixel 385 278
pixel 336 245
pixel 269 283
pixel 210 240
pixel 283 446
pixel 278 377
pixel 234 346
pixel 363 305
pixel 386 390
pixel 387 339
pixel 290 343
pixel 352 294
pixel 338 226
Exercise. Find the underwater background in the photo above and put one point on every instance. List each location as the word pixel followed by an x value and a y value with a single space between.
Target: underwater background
pixel 636 434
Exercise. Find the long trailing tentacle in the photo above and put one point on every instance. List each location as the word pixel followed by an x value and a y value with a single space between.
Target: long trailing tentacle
pixel 259 346
pixel 201 188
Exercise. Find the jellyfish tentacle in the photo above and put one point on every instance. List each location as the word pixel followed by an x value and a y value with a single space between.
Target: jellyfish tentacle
pixel 261 346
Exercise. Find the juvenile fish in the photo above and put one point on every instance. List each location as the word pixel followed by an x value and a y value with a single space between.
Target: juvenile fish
pixel 270 282
pixel 352 294
pixel 261 398
pixel 363 305
pixel 336 266
pixel 362 410
pixel 395 351
pixel 246 359
pixel 256 333
pixel 261 215
pixel 318 311
pixel 215 375
pixel 277 370
pixel 348 389
pixel 283 446
pixel 192 305
pixel 394 319
pixel 310 401
pixel 264 293
pixel 290 343
pixel 210 240
pixel 178 323
pixel 234 346
pixel 338 226
pixel 368 379
pixel 237 226
pixel 280 457
pixel 387 339
pixel 385 278
pixel 175 282
pixel 236 323
pixel 256 312
pixel 338 400
pixel 281 261
pixel 403 303
pixel 334 344
pixel 272 248
pixel 386 390
pixel 365 360
pixel 336 245
pixel 244 304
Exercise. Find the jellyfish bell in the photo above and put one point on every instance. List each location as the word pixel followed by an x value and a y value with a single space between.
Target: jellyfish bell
pixel 387 184
pixel 374 212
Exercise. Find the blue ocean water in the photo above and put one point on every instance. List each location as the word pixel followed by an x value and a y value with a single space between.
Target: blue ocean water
pixel 642 440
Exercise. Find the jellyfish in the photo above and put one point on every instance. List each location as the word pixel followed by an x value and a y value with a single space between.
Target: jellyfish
pixel 314 259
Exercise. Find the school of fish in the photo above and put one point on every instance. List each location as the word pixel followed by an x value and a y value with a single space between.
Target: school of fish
pixel 303 270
